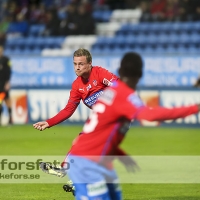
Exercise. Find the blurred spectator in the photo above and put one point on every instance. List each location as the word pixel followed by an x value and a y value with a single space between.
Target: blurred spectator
pixel 12 8
pixel 79 21
pixel 73 17
pixel 48 3
pixel 23 3
pixel 145 7
pixel 36 2
pixel 184 10
pixel 197 14
pixel 115 4
pixel 157 9
pixel 196 10
pixel 88 5
pixel 69 25
pixel 37 14
pixel 85 23
pixel 4 24
pixel 52 24
pixel 171 10
pixel 131 4
pixel 62 12
pixel 3 9
pixel 100 5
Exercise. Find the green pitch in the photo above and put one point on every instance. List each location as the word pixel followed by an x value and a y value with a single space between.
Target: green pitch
pixel 24 140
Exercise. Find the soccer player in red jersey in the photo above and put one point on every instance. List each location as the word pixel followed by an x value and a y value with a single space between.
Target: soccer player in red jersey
pixel 106 128
pixel 88 86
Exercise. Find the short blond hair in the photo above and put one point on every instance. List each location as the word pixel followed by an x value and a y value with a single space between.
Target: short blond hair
pixel 83 52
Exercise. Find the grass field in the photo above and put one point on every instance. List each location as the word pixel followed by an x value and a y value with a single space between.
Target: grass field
pixel 24 140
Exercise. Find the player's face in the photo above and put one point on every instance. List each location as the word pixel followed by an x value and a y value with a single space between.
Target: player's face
pixel 82 67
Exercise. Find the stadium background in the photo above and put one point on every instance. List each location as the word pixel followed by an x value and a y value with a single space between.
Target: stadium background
pixel 165 32
pixel 40 38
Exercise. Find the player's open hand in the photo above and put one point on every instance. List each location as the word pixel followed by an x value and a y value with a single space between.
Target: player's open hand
pixel 41 125
pixel 129 163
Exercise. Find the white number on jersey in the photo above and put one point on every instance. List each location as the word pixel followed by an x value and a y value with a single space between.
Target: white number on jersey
pixel 91 125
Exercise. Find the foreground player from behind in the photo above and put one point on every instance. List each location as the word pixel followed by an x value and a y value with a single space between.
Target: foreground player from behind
pixel 92 176
pixel 88 86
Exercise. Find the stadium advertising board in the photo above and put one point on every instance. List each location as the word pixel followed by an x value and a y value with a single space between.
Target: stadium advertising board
pixel 169 99
pixel 161 70
pixel 29 72
pixel 19 108
pixel 158 71
pixel 30 106
pixel 44 104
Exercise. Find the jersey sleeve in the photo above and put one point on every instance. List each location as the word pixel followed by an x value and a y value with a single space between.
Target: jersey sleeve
pixel 129 106
pixel 106 77
pixel 120 152
pixel 69 109
pixel 161 113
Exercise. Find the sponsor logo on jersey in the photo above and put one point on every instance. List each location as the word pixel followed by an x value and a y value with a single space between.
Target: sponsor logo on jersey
pixel 107 82
pixel 108 96
pixel 94 82
pixel 89 101
pixel 135 100
pixel 96 189
pixel 81 89
pixel 88 87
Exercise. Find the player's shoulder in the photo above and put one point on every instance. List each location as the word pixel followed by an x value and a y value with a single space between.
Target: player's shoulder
pixel 98 68
pixel 130 95
pixel 76 81
pixel 119 89
pixel 126 94
pixel 120 85
pixel 117 93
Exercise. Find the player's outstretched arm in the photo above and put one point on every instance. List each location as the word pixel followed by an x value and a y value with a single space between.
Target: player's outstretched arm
pixel 129 163
pixel 162 113
pixel 41 125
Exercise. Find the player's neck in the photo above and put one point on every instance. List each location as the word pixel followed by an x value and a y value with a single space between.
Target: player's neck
pixel 130 82
pixel 86 75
